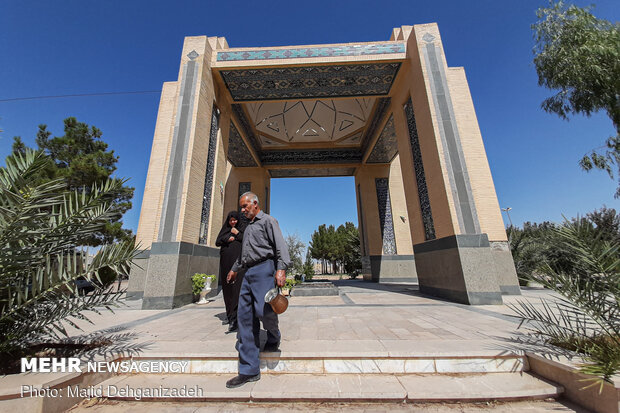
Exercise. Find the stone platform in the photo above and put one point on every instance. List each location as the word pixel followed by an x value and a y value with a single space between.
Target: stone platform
pixel 371 336
pixel 313 288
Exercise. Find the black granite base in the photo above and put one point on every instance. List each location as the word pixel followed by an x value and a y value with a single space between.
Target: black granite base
pixel 459 268
pixel 389 268
pixel 314 289
pixel 170 269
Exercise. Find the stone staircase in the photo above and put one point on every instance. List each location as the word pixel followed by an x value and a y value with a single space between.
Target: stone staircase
pixel 300 377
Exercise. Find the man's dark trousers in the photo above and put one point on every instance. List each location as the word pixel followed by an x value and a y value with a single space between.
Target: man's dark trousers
pixel 257 281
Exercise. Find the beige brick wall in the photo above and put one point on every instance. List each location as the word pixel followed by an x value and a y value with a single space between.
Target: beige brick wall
pixel 399 208
pixel 365 177
pixel 195 169
pixel 410 188
pixel 483 189
pixel 152 201
pixel 413 82
pixel 438 181
pixel 259 178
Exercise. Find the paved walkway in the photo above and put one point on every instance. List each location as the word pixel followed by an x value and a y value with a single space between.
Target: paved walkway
pixel 365 320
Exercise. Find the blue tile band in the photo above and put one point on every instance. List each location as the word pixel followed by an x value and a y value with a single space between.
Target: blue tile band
pixel 309 52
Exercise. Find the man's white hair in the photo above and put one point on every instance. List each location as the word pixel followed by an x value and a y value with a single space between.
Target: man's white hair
pixel 251 196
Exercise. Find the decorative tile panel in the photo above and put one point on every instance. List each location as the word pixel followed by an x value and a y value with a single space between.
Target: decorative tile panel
pixel 363 240
pixel 244 187
pixel 208 189
pixel 238 154
pixel 380 111
pixel 420 177
pixel 385 216
pixel 310 81
pixel 386 147
pixel 309 52
pixel 310 156
pixel 312 172
pixel 324 120
pixel 245 126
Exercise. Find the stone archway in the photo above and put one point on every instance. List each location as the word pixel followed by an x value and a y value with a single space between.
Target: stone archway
pixel 392 114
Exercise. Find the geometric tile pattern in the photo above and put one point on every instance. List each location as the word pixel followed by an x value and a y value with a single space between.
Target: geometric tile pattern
pixel 382 106
pixel 244 187
pixel 385 216
pixel 310 81
pixel 312 172
pixel 208 189
pixel 245 126
pixel 310 156
pixel 386 147
pixel 308 52
pixel 363 240
pixel 310 120
pixel 238 154
pixel 420 177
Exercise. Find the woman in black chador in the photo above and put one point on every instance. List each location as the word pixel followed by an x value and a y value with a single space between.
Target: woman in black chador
pixel 229 239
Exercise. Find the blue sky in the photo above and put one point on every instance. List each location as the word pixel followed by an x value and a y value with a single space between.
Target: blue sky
pixel 79 46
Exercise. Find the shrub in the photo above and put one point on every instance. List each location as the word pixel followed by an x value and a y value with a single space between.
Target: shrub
pixel 41 228
pixel 199 281
pixel 585 318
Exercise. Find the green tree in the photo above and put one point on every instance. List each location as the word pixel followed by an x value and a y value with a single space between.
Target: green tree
pixel 607 222
pixel 578 55
pixel 308 266
pixel 82 159
pixel 295 249
pixel 584 317
pixel 339 247
pixel 41 227
pixel 319 246
pixel 352 256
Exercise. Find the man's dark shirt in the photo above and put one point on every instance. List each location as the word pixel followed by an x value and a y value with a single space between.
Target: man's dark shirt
pixel 262 239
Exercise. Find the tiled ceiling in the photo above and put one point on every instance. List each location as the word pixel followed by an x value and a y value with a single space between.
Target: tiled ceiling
pixel 309 121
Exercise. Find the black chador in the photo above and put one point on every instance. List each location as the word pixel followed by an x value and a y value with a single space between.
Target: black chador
pixel 230 243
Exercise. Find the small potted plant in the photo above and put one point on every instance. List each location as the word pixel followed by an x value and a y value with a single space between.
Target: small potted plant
pixel 288 286
pixel 201 285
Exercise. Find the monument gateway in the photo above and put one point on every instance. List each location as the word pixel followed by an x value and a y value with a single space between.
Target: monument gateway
pixel 390 113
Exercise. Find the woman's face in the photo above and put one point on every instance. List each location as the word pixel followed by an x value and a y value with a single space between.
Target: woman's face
pixel 232 221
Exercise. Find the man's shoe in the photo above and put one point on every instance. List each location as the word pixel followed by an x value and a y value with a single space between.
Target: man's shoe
pixel 272 347
pixel 241 379
pixel 233 327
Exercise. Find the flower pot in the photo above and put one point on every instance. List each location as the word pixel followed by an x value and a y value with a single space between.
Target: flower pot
pixel 203 294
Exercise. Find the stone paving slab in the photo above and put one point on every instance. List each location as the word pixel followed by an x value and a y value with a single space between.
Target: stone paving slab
pixel 477 387
pixel 365 320
pixel 334 387
pixel 537 406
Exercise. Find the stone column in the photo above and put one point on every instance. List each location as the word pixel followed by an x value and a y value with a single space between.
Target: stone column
pixel 452 211
pixel 380 236
pixel 181 196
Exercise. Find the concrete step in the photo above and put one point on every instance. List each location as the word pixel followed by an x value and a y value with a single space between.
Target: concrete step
pixel 330 387
pixel 276 362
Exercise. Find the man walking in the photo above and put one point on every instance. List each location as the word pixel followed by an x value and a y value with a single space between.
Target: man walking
pixel 263 253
